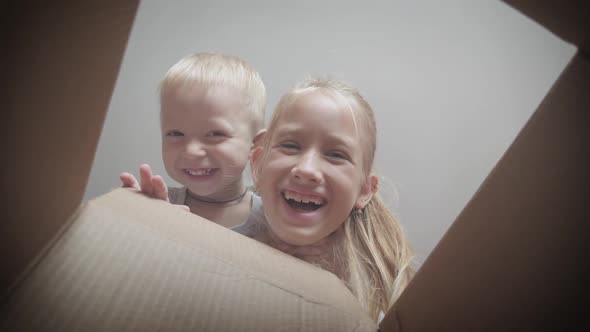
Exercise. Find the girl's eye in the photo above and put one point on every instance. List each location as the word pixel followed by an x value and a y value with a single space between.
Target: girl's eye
pixel 174 133
pixel 289 146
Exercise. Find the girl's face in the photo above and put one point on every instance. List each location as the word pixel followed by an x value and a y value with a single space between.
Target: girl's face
pixel 311 177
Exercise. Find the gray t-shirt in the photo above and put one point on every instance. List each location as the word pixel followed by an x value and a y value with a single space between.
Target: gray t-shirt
pixel 255 221
pixel 248 227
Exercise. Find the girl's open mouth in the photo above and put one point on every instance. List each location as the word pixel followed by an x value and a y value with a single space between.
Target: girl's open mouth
pixel 300 202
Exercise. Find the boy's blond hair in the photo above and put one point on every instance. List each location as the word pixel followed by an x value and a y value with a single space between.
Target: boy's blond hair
pixel 375 258
pixel 215 69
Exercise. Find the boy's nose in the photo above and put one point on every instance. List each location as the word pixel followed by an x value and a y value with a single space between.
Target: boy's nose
pixel 195 149
pixel 307 170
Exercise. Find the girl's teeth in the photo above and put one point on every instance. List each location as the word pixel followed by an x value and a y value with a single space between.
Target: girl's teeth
pixel 301 198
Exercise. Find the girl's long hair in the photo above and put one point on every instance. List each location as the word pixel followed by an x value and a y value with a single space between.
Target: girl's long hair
pixel 375 260
pixel 377 255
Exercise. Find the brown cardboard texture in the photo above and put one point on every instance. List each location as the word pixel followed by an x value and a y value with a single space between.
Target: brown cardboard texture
pixel 130 263
pixel 567 19
pixel 515 257
pixel 123 262
pixel 512 260
pixel 61 61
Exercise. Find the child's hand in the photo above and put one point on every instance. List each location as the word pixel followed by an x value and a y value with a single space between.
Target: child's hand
pixel 150 185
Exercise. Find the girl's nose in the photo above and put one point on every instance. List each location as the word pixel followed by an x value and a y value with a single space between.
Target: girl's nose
pixel 307 170
pixel 195 150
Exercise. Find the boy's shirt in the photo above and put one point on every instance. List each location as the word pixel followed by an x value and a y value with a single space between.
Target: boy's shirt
pixel 248 227
pixel 177 195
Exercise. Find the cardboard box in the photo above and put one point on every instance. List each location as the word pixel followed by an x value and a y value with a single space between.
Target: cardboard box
pixel 513 260
pixel 121 262
pixel 129 263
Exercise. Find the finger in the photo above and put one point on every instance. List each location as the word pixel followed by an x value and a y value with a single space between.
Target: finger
pixel 184 207
pixel 160 188
pixel 129 181
pixel 145 174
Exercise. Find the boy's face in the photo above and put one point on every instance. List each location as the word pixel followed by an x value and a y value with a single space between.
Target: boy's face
pixel 206 139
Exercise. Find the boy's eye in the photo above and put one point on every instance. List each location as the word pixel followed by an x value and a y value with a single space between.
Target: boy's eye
pixel 174 133
pixel 338 155
pixel 216 133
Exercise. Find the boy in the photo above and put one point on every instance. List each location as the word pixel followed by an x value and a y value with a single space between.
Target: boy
pixel 211 114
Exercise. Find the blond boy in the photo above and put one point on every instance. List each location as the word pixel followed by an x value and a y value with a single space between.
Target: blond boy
pixel 211 113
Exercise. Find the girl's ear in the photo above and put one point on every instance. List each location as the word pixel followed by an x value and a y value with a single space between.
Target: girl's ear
pixel 255 158
pixel 258 138
pixel 256 151
pixel 367 191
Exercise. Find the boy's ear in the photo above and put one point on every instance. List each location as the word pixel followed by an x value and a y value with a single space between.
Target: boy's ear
pixel 367 191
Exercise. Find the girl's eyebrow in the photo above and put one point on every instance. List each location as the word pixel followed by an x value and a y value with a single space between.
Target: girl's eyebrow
pixel 344 141
pixel 332 137
pixel 286 130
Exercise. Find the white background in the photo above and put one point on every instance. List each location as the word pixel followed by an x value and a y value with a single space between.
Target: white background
pixel 452 83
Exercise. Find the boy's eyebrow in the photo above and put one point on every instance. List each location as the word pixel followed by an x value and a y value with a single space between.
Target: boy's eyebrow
pixel 220 121
pixel 230 126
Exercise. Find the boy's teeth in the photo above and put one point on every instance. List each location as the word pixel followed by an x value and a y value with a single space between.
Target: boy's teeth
pixel 199 172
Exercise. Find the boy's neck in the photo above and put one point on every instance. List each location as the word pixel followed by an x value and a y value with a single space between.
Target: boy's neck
pixel 235 192
pixel 225 213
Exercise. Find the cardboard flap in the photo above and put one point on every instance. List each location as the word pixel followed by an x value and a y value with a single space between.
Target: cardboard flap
pixel 132 263
pixel 513 259
pixel 570 19
pixel 62 61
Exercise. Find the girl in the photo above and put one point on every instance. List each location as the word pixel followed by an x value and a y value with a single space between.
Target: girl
pixel 319 197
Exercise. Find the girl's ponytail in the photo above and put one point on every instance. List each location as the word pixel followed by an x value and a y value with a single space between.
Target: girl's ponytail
pixel 377 255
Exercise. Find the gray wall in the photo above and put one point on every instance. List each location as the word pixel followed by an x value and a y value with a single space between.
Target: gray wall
pixel 452 83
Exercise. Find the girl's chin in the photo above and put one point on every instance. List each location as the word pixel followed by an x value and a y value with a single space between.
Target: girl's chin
pixel 294 237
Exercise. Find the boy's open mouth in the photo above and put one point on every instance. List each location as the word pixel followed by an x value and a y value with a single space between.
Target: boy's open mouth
pixel 301 202
pixel 199 171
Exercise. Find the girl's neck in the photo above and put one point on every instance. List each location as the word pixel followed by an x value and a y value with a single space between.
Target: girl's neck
pixel 324 253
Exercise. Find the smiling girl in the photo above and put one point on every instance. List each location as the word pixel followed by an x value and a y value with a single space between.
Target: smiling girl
pixel 319 196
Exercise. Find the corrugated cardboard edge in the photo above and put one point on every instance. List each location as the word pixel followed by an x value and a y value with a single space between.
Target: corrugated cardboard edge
pixel 129 235
pixel 43 253
pixel 268 265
